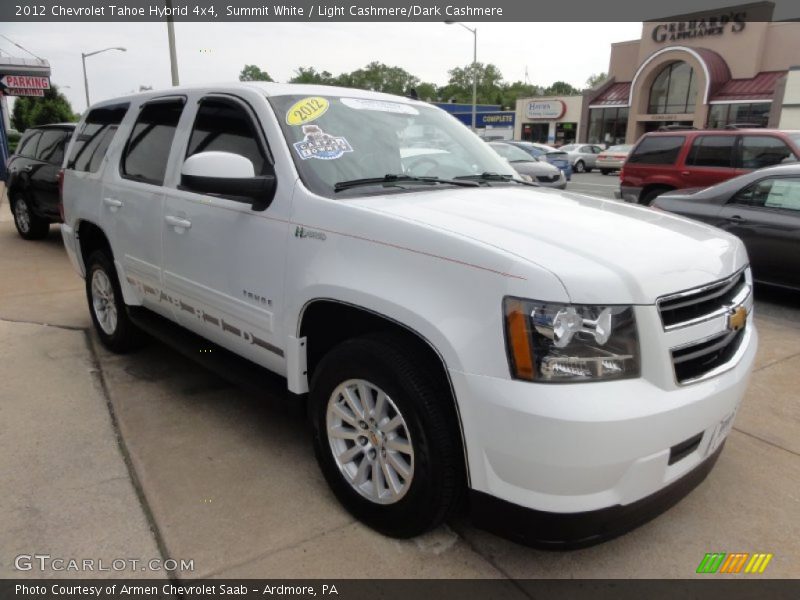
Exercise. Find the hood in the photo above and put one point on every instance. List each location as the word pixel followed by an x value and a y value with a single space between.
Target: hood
pixel 603 251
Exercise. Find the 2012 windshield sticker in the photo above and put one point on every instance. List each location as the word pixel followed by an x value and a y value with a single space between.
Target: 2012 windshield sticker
pixel 307 110
pixel 318 144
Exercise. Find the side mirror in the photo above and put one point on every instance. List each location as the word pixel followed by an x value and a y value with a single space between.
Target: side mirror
pixel 230 175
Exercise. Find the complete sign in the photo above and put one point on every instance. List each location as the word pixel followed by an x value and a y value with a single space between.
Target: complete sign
pixel 25 82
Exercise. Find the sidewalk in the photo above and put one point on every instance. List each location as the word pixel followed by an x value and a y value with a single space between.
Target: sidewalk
pixel 68 493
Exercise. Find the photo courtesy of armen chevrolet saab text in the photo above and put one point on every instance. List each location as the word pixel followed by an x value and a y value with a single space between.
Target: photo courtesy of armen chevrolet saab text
pixel 565 366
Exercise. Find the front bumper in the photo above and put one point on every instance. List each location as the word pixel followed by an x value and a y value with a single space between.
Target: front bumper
pixel 566 450
pixel 570 531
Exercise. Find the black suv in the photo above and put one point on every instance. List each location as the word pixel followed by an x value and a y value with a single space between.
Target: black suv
pixel 33 178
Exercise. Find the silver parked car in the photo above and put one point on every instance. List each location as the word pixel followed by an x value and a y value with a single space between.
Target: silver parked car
pixel 540 171
pixel 583 157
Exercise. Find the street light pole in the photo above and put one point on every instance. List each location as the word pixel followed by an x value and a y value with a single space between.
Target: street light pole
pixel 474 32
pixel 84 56
pixel 173 57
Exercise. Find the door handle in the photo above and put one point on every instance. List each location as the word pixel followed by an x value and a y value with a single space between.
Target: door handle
pixel 178 222
pixel 112 202
pixel 737 219
pixel 686 173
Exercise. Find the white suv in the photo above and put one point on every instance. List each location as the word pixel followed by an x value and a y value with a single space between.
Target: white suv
pixel 570 364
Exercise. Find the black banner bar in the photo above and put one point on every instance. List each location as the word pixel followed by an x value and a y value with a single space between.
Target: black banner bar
pixel 710 587
pixel 388 10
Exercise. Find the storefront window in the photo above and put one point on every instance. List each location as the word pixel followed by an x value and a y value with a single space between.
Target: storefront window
pixel 608 125
pixel 674 90
pixel 754 114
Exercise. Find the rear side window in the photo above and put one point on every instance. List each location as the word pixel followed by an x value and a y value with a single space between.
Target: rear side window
pixel 771 193
pixel 94 137
pixel 51 146
pixel 224 126
pixel 760 151
pixel 27 145
pixel 712 151
pixel 147 149
pixel 658 150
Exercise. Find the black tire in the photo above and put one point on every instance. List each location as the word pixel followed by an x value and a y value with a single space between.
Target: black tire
pixel 437 481
pixel 580 167
pixel 587 169
pixel 605 171
pixel 124 336
pixel 646 199
pixel 29 226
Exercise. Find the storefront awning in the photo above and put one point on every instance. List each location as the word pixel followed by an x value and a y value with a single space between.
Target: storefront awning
pixel 616 95
pixel 760 87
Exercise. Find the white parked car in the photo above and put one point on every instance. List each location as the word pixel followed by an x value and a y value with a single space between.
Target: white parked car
pixel 574 364
pixel 583 157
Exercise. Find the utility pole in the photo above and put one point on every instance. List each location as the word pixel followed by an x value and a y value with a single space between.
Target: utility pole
pixel 173 58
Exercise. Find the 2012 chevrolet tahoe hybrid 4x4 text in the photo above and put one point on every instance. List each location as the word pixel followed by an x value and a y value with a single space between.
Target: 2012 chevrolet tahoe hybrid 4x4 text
pixel 571 365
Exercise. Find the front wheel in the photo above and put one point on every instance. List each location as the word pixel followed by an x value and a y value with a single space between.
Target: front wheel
pixel 109 315
pixel 385 436
pixel 580 167
pixel 29 226
pixel 650 195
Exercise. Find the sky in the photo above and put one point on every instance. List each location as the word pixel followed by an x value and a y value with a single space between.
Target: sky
pixel 216 52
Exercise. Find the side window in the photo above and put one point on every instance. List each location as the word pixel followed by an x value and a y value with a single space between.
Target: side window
pixel 148 147
pixel 93 138
pixel 712 151
pixel 27 145
pixel 657 150
pixel 225 126
pixel 51 146
pixel 763 151
pixel 782 192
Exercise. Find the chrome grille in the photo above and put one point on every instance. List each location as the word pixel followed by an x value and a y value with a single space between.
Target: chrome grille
pixel 702 359
pixel 548 178
pixel 701 304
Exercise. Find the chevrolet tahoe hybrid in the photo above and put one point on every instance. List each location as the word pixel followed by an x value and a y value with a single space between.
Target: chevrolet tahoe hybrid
pixel 570 366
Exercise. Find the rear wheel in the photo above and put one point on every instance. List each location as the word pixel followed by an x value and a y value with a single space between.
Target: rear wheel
pixel 109 315
pixel 651 194
pixel 29 226
pixel 605 171
pixel 385 435
pixel 580 167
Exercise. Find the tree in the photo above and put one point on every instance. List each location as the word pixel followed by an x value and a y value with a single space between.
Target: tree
pixel 459 87
pixel 253 73
pixel 427 91
pixel 53 107
pixel 380 78
pixel 519 89
pixel 311 75
pixel 595 79
pixel 561 88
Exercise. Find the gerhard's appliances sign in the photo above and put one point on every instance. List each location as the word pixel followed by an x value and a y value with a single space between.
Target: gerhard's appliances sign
pixel 712 26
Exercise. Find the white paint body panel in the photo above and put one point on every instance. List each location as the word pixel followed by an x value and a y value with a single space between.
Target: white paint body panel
pixel 439 261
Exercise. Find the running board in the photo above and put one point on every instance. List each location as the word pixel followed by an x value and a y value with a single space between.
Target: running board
pixel 232 367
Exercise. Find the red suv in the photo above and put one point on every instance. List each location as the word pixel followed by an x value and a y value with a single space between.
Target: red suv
pixel 672 160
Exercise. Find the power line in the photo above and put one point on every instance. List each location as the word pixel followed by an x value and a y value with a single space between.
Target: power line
pixel 21 47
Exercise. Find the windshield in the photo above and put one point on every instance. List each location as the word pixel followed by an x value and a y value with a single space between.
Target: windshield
pixel 334 140
pixel 512 153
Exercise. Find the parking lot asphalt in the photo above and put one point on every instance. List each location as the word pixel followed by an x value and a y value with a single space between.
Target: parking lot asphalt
pixel 594 184
pixel 148 455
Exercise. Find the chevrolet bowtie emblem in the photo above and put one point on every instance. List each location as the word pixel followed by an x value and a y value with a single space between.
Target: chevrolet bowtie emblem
pixel 737 318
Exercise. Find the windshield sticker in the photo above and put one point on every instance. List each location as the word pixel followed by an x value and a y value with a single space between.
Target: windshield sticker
pixel 379 105
pixel 306 110
pixel 321 145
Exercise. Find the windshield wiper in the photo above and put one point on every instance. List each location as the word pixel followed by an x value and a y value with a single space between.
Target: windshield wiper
pixel 489 177
pixel 393 179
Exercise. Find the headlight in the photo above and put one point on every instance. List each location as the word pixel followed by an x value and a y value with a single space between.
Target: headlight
pixel 550 342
